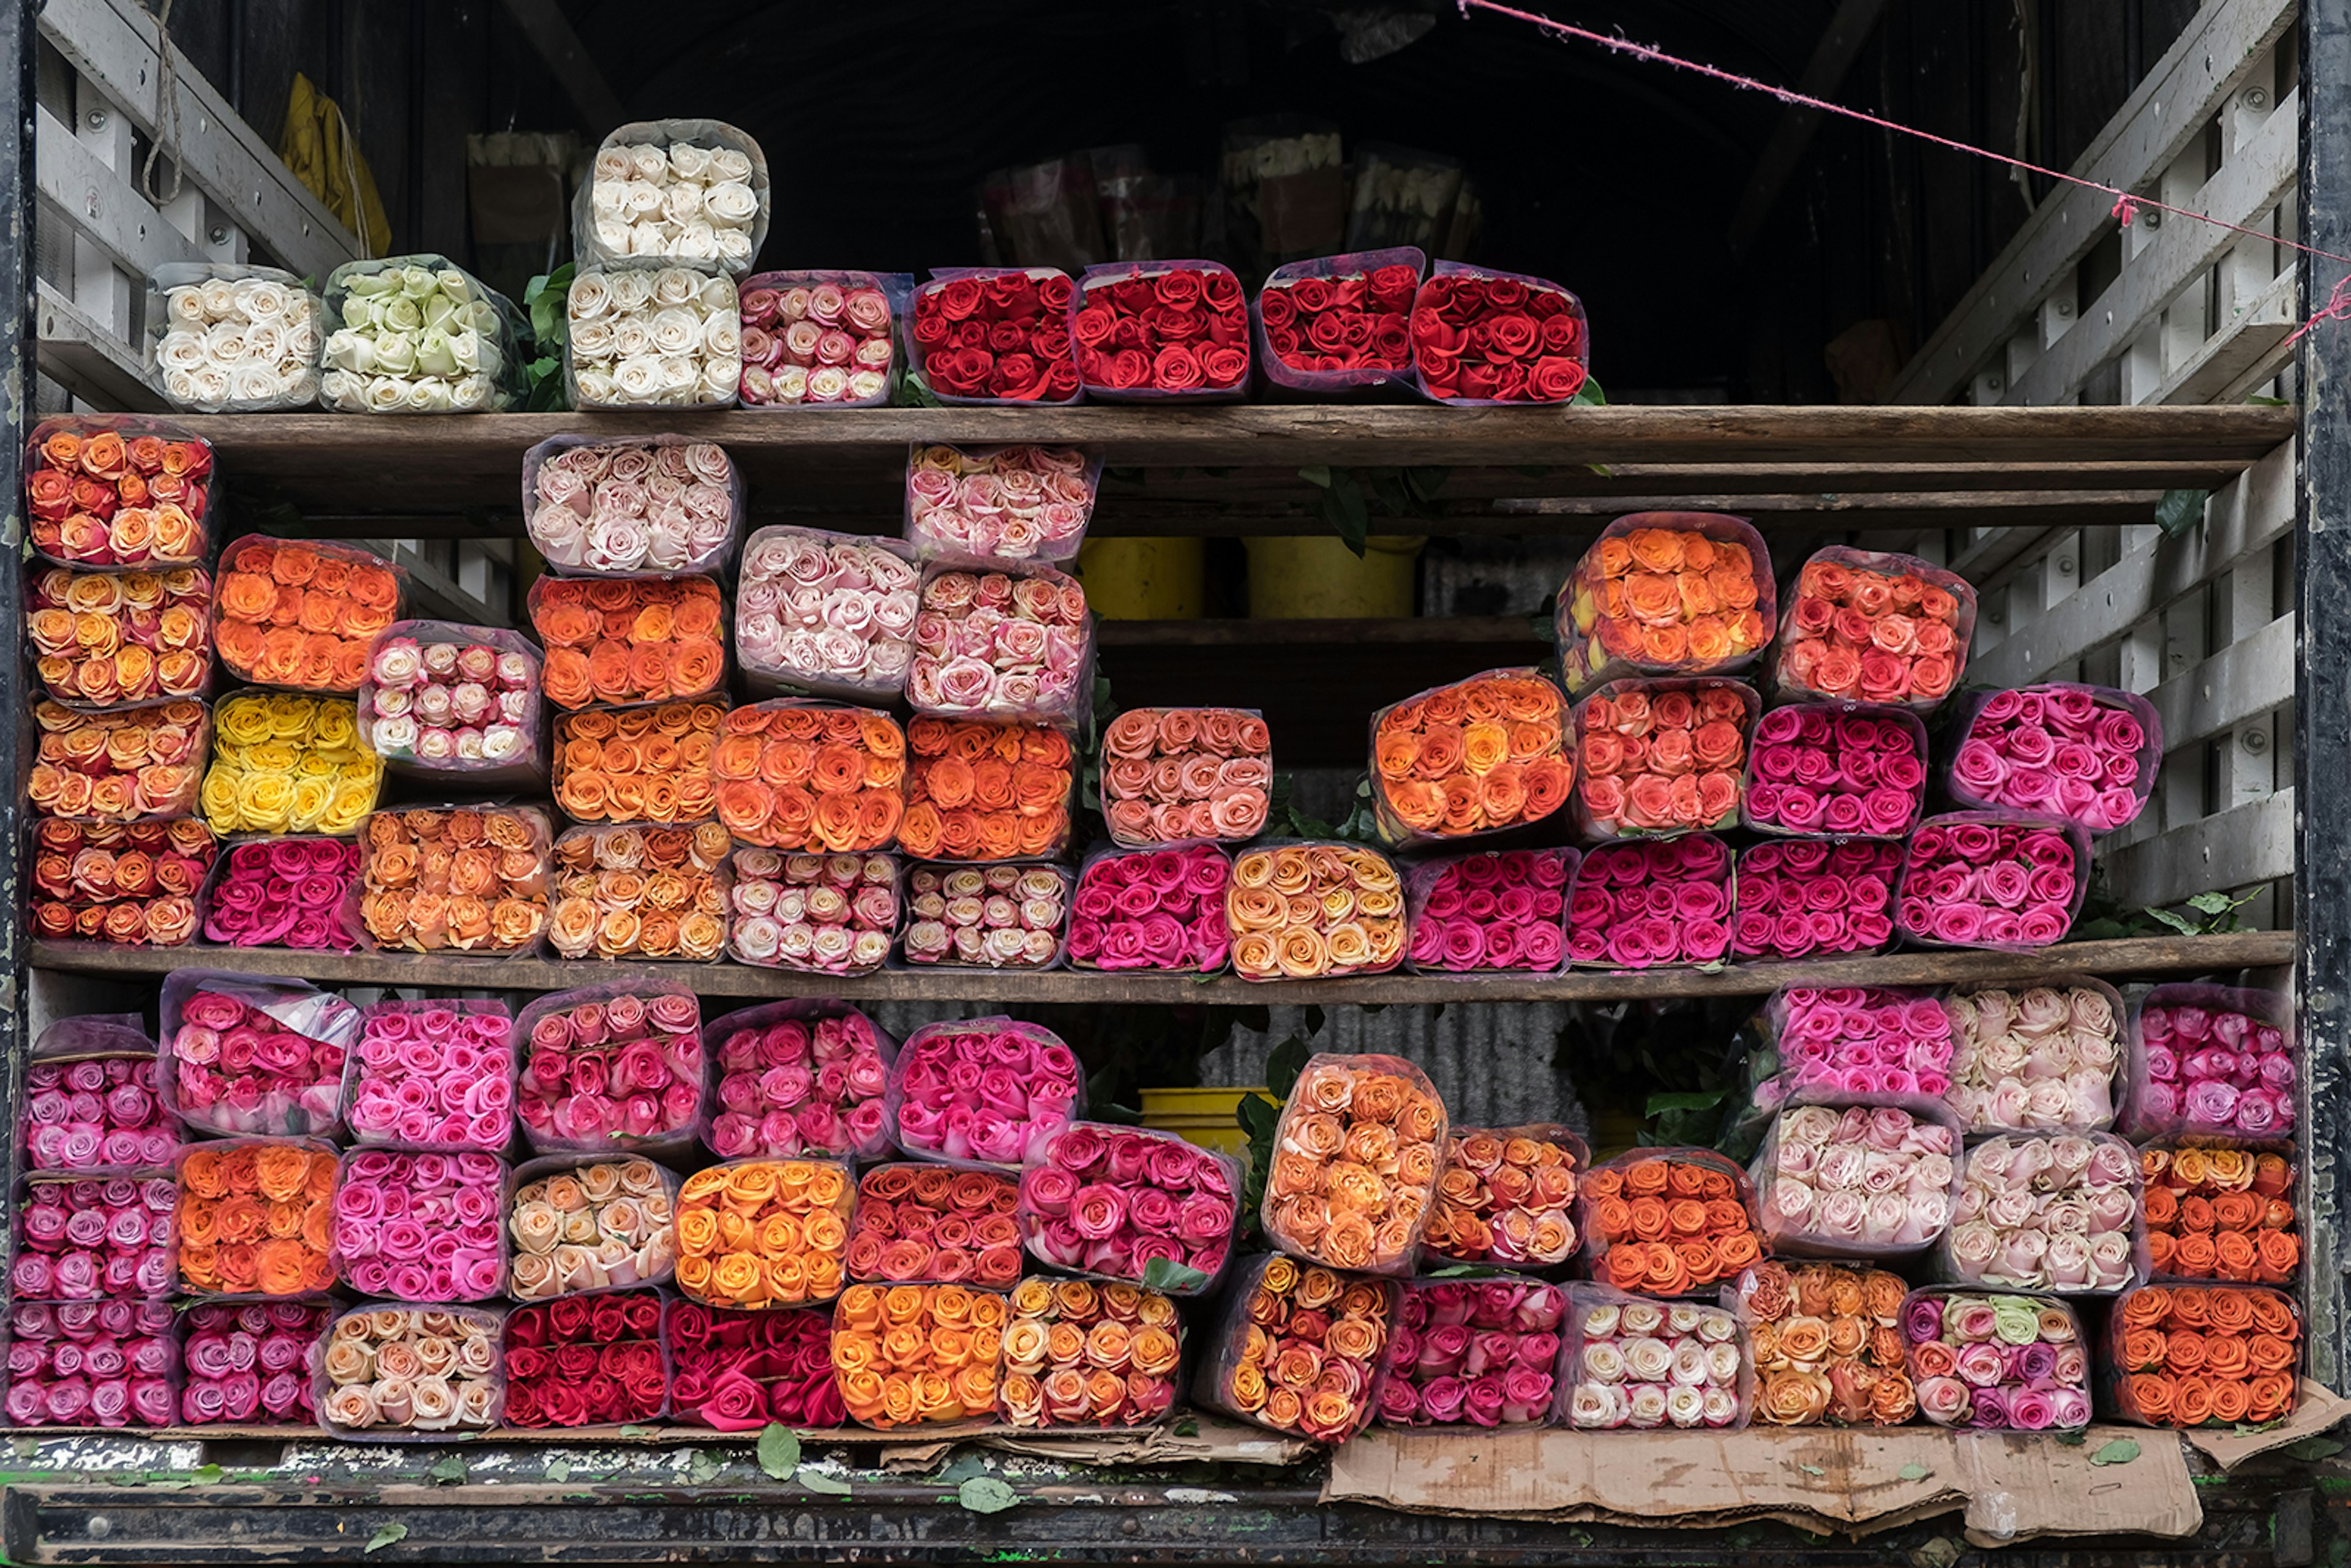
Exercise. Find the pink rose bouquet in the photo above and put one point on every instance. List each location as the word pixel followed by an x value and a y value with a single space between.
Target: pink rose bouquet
pixel 2212 1059
pixel 1151 909
pixel 285 893
pixel 999 506
pixel 249 1363
pixel 435 1076
pixel 2036 1059
pixel 1828 769
pixel 1169 774
pixel 82 1238
pixel 610 1068
pixel 2048 1212
pixel 995 645
pixel 90 1105
pixel 1643 905
pixel 992 918
pixel 2088 754
pixel 1491 912
pixel 830 614
pixel 798 1078
pixel 736 1372
pixel 1850 1040
pixel 1856 1182
pixel 1980 880
pixel 91 1364
pixel 421 1227
pixel 1644 1364
pixel 2004 1363
pixel 1801 898
pixel 1473 1353
pixel 1131 1205
pixel 828 914
pixel 818 339
pixel 455 699
pixel 609 510
pixel 986 1091
pixel 248 1055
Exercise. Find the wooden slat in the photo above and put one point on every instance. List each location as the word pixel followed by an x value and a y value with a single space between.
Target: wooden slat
pixel 88 359
pixel 2247 679
pixel 101 205
pixel 2235 848
pixel 2249 350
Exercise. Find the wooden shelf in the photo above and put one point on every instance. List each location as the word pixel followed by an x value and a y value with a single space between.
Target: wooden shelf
pixel 2110 961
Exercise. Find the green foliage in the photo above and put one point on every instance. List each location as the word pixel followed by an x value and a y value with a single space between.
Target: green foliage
pixel 1589 396
pixel 390 1535
pixel 1349 495
pixel 1167 1274
pixel 2121 1452
pixel 986 1494
pixel 543 304
pixel 2180 510
pixel 779 1451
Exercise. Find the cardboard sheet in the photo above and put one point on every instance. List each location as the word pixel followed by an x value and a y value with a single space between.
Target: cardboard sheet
pixel 2316 1409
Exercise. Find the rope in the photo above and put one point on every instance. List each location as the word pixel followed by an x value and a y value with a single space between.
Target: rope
pixel 167 89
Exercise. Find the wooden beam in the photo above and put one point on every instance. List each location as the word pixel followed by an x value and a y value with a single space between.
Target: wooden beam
pixel 1839 45
pixel 567 60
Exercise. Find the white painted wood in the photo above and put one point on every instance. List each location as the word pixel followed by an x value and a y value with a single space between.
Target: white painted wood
pixel 102 289
pixel 88 359
pixel 100 207
pixel 2244 845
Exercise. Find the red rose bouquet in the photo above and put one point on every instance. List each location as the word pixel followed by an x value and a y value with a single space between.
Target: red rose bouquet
pixel 1078 1354
pixel 1338 323
pixel 1656 757
pixel 925 1222
pixel 116 490
pixel 1875 628
pixel 1483 337
pixel 287 892
pixel 736 1372
pixel 133 765
pixel 1130 1204
pixel 132 884
pixel 819 340
pixel 1160 330
pixel 1801 898
pixel 107 638
pixel 994 335
pixel 586 1361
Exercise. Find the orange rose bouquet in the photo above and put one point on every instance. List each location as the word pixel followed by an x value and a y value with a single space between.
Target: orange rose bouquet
pixel 1298 1348
pixel 1083 1355
pixel 1666 594
pixel 638 764
pixel 1475 757
pixel 760 1233
pixel 133 765
pixel 1668 1222
pixel 1875 628
pixel 104 638
pixel 2220 1213
pixel 469 878
pixel 2196 1356
pixel 1353 1179
pixel 643 892
pixel 302 615
pixel 108 883
pixel 113 490
pixel 256 1217
pixel 629 639
pixel 987 790
pixel 1169 774
pixel 813 776
pixel 1656 757
pixel 1828 1344
pixel 918 1355
pixel 1507 1197
pixel 1305 910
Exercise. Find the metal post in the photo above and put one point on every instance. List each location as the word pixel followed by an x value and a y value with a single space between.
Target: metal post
pixel 18 49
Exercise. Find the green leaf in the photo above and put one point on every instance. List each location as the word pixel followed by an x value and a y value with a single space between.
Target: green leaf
pixel 1318 477
pixel 390 1535
pixel 2072 1440
pixel 1167 1274
pixel 703 1468
pixel 1466 1271
pixel 2318 1446
pixel 1812 1469
pixel 2260 401
pixel 986 1494
pixel 2121 1452
pixel 449 1472
pixel 1259 1116
pixel 817 1482
pixel 779 1451
pixel 1285 1062
pixel 2185 927
pixel 205 1475
pixel 640 1432
pixel 1688 1100
pixel 1589 396
pixel 1187 1428
pixel 559 1471
pixel 2211 904
pixel 1912 1473
pixel 2180 510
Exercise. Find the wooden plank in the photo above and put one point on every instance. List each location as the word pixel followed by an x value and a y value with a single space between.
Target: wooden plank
pixel 96 203
pixel 567 60
pixel 80 354
pixel 2246 680
pixel 1441 630
pixel 2236 848
pixel 2142 956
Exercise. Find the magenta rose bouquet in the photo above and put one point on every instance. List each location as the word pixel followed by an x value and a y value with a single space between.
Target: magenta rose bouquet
pixel 998 646
pixel 247 1054
pixel 2048 1212
pixel 736 1371
pixel 1826 768
pixel 285 892
pixel 1853 1182
pixel 610 1069
pixel 1643 905
pixel 2212 1059
pixel 1494 911
pixel 1634 1363
pixel 437 1076
pixel 96 1114
pixel 832 614
pixel 1801 898
pixel 2036 1059
pixel 799 1078
pixel 1980 880
pixel 984 1091
pixel 2088 754
pixel 420 1226
pixel 1151 909
pixel 90 1364
pixel 85 1238
pixel 1127 1204
pixel 1473 1353
pixel 249 1363
pixel 2004 1363
pixel 1851 1040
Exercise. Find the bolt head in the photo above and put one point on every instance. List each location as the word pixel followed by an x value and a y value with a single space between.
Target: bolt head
pixel 96 119
pixel 2257 98
pixel 220 234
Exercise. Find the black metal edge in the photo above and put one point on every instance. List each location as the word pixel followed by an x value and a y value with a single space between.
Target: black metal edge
pixel 18 381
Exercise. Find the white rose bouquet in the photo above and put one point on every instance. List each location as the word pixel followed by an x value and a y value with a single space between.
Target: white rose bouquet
pixel 645 337
pixel 690 193
pixel 414 334
pixel 233 340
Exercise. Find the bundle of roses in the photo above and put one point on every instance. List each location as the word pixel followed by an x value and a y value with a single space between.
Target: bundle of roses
pixel 1506 1196
pixel 987 1092
pixel 1827 1341
pixel 80 1238
pixel 1856 1182
pixel 2088 754
pixel 991 917
pixel 224 339
pixel 799 1078
pixel 1885 629
pixel 608 509
pixel 1844 772
pixel 1339 321
pixel 2047 1212
pixel 792 775
pixel 736 1372
pixel 585 1360
pixel 997 646
pixel 285 892
pixel 452 699
pixel 583 1223
pixel 469 878
pixel 1473 1354
pixel 1977 880
pixel 629 639
pixel 415 336
pixel 610 1066
pixel 2211 1060
pixel 642 892
pixel 638 764
pixel 2220 1213
pixel 1645 1366
pixel 664 196
pixel 1167 330
pixel 132 766
pixel 2190 1355
pixel 646 338
pixel 1665 593
pixel 1301 911
pixel 930 1223
pixel 985 791
pixel 1668 1221
pixel 90 1364
pixel 105 638
pixel 1353 1178
pixel 1480 336
pixel 255 1218
pixel 1660 757
pixel 246 1054
pixel 917 1356
pixel 2013 1363
pixel 1077 1354
pixel 828 914
pixel 1666 901
pixel 1111 1202
pixel 302 614
pixel 436 1075
pixel 759 1233
pixel 2036 1059
pixel 287 764
pixel 1850 1040
pixel 994 335
pixel 421 1227
pixel 117 493
pixel 818 339
pixel 834 613
pixel 1297 1349
pixel 250 1363
pixel 133 885
pixel 1170 774
pixel 388 1369
pixel 1003 505
pixel 90 1103
pixel 1475 757
pixel 1491 912
pixel 1158 909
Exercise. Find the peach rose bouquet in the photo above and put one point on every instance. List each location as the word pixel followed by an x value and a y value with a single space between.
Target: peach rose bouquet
pixel 1886 629
pixel 1002 645
pixel 1828 1344
pixel 1656 757
pixel 391 1369
pixel 579 1222
pixel 132 765
pixel 469 878
pixel 1475 757
pixel 1298 1349
pixel 629 639
pixel 112 490
pixel 1083 1355
pixel 1355 1156
pixel 918 1355
pixel 1305 910
pixel 1507 1197
pixel 1170 774
pixel 1666 594
pixel 643 892
pixel 761 1233
pixel 987 790
pixel 108 882
pixel 105 638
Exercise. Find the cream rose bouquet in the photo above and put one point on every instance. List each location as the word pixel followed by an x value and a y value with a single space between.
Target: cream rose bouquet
pixel 413 334
pixel 643 337
pixel 690 191
pixel 233 340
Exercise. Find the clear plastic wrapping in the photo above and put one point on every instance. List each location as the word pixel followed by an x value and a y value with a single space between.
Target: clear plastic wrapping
pixel 1490 912
pixel 100 638
pixel 640 336
pixel 289 764
pixel 1473 756
pixel 2192 1356
pixel 116 490
pixel 981 507
pixel 821 340
pixel 2088 754
pixel 395 1372
pixel 459 702
pixel 1506 1197
pixel 763 1233
pixel 931 1223
pixel 1626 1361
pixel 233 338
pixel 1836 770
pixel 1003 645
pixel 651 639
pixel 1533 342
pixel 1159 332
pixel 1358 928
pixel 618 508
pixel 1992 879
pixel 83 1237
pixel 617 1338
pixel 298 893
pixel 417 334
pixel 254 1054
pixel 612 1067
pixel 987 789
pixel 981 1093
pixel 687 193
pixel 830 615
pixel 90 1104
pixel 2039 1211
pixel 1667 1221
pixel 1852 1044
pixel 919 1357
pixel 583 1223
pixel 1803 898
pixel 1827 1341
pixel 2001 1361
pixel 1468 1356
pixel 472 878
pixel 1401 196
pixel 249 1363
pixel 814 777
pixel 801 1079
pixel 1666 594
pixel 1338 323
pixel 649 764
pixel 1284 181
pixel 1001 915
pixel 1873 627
pixel 736 1372
pixel 133 885
pixel 2220 1213
pixel 2214 1061
pixel 1296 1348
pixel 1353 1179
pixel 232 1190
pixel 1169 775
pixel 436 1075
pixel 1151 909
pixel 640 893
pixel 1131 1206
pixel 1878 1181
pixel 302 613
pixel 960 316
pixel 421 1227
pixel 1080 1356
pixel 128 765
pixel 93 1364
pixel 2034 1059
pixel 824 914
pixel 1659 901
pixel 1655 757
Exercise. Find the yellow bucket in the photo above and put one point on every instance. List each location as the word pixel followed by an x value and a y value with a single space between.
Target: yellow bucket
pixel 1145 579
pixel 1614 1133
pixel 1205 1118
pixel 1317 578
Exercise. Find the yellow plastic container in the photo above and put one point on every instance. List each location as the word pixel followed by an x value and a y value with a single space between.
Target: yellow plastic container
pixel 1145 579
pixel 1316 576
pixel 1204 1117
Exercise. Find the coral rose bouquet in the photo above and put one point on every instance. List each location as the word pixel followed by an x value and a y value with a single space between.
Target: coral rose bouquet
pixel 414 334
pixel 302 615
pixel 1338 323
pixel 2088 754
pixel 1010 917
pixel 1506 1197
pixel 115 490
pixel 1629 1363
pixel 1127 1204
pixel 225 337
pixel 1079 1354
pixel 2056 1212
pixel 760 1233
pixel 638 764
pixel 1484 337
pixel 629 639
pixel 1827 1340
pixel 927 1356
pixel 1297 1348
pixel 985 1093
pixel 2036 1059
pixel 602 509
pixel 254 1054
pixel 994 335
pixel 794 1079
pixel 287 892
pixel 736 1372
pixel 2213 1061
pixel 257 1217
pixel 1160 330
pixel 1471 1354
pixel 1353 1179
pixel 2001 1363
pixel 287 764
pixel 985 506
pixel 1003 645
pixel 134 886
pixel 436 1075
pixel 827 914
pixel 402 1373
pixel 582 1223
pixel 821 340
pixel 640 893
pixel 1986 879
pixel 1659 758
pixel 1157 909
pixel 1875 628
pixel 472 878
pixel 1491 912
pixel 918 1223
pixel 830 615
pixel 1475 757
pixel 421 1227
pixel 82 1238
pixel 1298 911
pixel 461 701
pixel 641 336
pixel 610 1067
pixel 90 1104
pixel 578 1364
pixel 1664 901
pixel 91 1364
pixel 2220 1213
pixel 810 777
pixel 1836 771
pixel 1665 593
pixel 132 765
pixel 250 1363
pixel 690 193
pixel 1171 774
pixel 1667 1222
pixel 2194 1355
pixel 102 639
pixel 1857 1181
pixel 986 789
pixel 1800 898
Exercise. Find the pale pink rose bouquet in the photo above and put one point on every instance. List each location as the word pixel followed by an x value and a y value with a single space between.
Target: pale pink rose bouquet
pixel 799 1078
pixel 830 614
pixel 612 1068
pixel 1856 1182
pixel 413 1226
pixel 987 1091
pixel 999 506
pixel 436 1075
pixel 1631 1363
pixel 2088 754
pixel 440 699
pixel 2036 1059
pixel 827 914
pixel 2048 1212
pixel 818 339
pixel 999 646
pixel 988 917
pixel 613 508
pixel 90 1104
